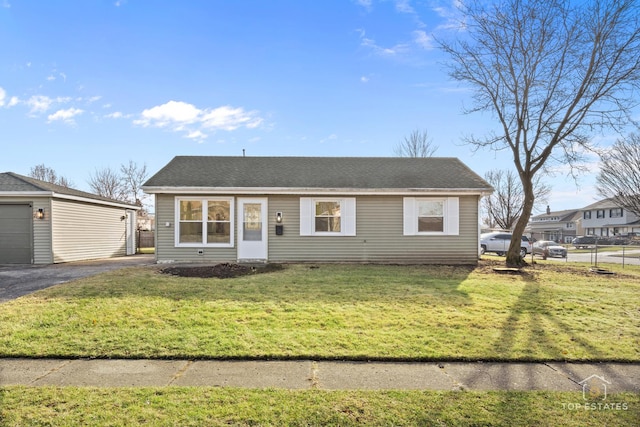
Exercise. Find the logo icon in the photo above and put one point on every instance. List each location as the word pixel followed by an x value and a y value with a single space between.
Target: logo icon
pixel 594 388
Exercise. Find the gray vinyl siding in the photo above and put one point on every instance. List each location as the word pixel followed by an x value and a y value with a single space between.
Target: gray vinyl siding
pixel 379 236
pixel 83 231
pixel 42 249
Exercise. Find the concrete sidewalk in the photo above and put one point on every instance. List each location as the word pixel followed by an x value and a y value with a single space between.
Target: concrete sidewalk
pixel 329 375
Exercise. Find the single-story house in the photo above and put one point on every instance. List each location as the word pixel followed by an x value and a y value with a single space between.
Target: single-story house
pixel 317 209
pixel 44 223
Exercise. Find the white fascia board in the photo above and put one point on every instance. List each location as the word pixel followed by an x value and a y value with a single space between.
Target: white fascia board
pixel 31 194
pixel 317 191
pixel 96 201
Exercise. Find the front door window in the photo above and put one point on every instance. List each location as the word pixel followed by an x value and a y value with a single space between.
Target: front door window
pixel 252 223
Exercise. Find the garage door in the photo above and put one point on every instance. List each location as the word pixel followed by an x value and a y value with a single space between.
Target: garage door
pixel 15 234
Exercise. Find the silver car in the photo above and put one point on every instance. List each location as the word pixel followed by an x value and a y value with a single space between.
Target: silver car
pixel 499 242
pixel 548 248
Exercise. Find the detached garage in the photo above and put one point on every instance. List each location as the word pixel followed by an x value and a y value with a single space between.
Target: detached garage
pixel 43 223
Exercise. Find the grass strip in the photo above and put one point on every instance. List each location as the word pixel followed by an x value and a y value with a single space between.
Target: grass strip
pixel 70 406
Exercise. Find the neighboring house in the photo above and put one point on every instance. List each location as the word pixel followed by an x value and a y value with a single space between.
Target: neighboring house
pixel 317 209
pixel 43 223
pixel 606 218
pixel 559 226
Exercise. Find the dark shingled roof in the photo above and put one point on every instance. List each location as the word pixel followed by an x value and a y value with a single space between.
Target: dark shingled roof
pixel 13 182
pixel 364 173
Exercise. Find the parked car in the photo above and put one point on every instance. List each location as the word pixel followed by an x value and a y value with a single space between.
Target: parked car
pixel 499 242
pixel 583 242
pixel 549 248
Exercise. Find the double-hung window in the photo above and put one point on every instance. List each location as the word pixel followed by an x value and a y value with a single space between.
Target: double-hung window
pixel 431 216
pixel 615 213
pixel 327 216
pixel 204 222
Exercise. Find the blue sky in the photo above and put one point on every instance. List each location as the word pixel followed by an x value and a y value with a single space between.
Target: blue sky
pixel 90 84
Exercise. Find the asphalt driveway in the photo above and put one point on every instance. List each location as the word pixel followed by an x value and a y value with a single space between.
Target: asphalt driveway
pixel 19 280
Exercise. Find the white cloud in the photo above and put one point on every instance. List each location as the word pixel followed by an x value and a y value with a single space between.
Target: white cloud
pixel 171 112
pixel 228 118
pixel 364 79
pixel 115 115
pixel 3 95
pixel 364 3
pixel 422 39
pixel 197 135
pixel 403 6
pixel 51 78
pixel 65 115
pixel 369 43
pixel 180 116
pixel 39 103
pixel 331 137
pixel 13 101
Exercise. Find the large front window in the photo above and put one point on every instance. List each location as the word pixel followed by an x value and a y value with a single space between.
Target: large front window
pixel 204 222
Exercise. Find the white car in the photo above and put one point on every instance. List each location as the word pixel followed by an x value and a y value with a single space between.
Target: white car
pixel 499 242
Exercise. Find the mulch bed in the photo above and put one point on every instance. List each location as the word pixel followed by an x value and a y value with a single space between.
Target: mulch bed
pixel 221 271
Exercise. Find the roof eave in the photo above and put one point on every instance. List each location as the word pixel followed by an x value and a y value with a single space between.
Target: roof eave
pixel 31 194
pixel 312 190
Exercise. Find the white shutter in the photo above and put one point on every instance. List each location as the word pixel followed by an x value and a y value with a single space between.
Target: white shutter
pixel 348 216
pixel 453 216
pixel 306 216
pixel 410 217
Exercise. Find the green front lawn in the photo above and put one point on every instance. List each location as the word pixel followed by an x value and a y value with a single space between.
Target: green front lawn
pixel 551 312
pixel 172 406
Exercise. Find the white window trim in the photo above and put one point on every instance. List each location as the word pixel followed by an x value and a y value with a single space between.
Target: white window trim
pixel 450 214
pixel 308 216
pixel 203 244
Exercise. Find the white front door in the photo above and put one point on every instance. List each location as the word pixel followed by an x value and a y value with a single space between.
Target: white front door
pixel 252 229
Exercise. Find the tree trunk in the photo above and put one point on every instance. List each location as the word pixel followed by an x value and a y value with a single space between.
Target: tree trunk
pixel 514 259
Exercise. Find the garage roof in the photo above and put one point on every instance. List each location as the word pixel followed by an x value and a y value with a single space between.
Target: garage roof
pixel 13 184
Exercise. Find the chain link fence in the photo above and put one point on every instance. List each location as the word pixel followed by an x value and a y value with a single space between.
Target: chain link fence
pixel 595 250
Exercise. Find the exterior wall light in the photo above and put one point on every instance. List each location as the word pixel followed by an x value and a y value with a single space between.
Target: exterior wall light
pixel 40 213
pixel 279 217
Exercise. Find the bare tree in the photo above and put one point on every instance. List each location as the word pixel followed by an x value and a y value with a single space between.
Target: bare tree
pixel 45 173
pixel 504 207
pixel 107 183
pixel 124 184
pixel 551 72
pixel 619 176
pixel 132 177
pixel 417 144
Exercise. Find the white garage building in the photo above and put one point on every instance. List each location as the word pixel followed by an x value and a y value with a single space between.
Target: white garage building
pixel 44 223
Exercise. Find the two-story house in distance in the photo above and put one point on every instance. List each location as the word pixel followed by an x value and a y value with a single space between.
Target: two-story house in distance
pixel 559 226
pixel 605 218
